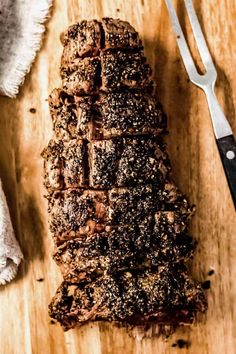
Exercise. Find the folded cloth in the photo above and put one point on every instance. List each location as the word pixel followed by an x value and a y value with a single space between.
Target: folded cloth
pixel 21 29
pixel 10 253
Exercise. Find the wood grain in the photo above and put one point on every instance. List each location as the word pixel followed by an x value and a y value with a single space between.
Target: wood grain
pixel 25 327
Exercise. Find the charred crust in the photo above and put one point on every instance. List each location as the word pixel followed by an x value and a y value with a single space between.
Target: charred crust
pixel 167 296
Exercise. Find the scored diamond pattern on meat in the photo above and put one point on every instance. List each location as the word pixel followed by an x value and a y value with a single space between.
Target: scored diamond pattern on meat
pixel 118 222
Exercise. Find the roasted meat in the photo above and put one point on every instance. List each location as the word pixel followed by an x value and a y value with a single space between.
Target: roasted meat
pixel 76 212
pixel 166 295
pixel 106 116
pixel 88 38
pixel 121 248
pixel 65 164
pixel 118 222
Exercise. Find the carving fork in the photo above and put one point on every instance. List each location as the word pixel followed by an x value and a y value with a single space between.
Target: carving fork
pixel 223 133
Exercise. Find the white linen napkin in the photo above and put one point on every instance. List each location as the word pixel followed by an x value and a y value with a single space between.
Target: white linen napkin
pixel 21 30
pixel 10 253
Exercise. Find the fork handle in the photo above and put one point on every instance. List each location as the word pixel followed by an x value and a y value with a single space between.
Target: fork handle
pixel 227 150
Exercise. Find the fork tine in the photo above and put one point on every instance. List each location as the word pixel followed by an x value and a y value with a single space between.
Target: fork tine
pixel 199 38
pixel 183 47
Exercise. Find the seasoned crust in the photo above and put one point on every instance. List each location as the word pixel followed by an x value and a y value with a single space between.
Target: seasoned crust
pixel 124 70
pixel 74 213
pixel 127 162
pixel 119 34
pixel 106 116
pixel 82 77
pixel 167 296
pixel 133 205
pixel 127 113
pixel 121 249
pixel 72 116
pixel 64 164
pixel 102 164
pixel 87 38
pixel 109 72
pixel 53 165
pixel 81 69
pixel 80 213
pixel 81 39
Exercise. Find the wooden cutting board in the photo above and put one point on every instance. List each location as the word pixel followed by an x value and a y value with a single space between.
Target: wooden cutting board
pixel 24 323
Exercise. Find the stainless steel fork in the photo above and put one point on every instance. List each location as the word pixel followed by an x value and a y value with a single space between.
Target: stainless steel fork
pixel 223 132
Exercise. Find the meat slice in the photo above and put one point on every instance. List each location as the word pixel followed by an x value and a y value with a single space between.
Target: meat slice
pixel 81 39
pixel 122 69
pixel 119 34
pixel 136 204
pixel 64 164
pixel 87 38
pixel 125 113
pixel 82 76
pixel 117 70
pixel 71 115
pixel 112 115
pixel 166 296
pixel 126 162
pixel 73 213
pixel 53 165
pixel 76 212
pixel 121 248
